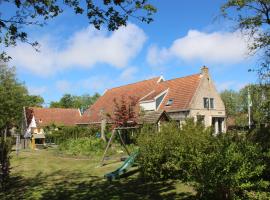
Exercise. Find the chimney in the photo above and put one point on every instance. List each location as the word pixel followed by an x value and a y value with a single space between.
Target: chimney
pixel 205 71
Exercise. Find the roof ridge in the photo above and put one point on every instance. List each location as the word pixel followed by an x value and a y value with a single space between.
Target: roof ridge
pixel 52 108
pixel 135 82
pixel 180 78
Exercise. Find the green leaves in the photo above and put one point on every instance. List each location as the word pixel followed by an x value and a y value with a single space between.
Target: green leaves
pixel 226 166
pixel 253 19
pixel 71 101
pixel 111 14
pixel 13 97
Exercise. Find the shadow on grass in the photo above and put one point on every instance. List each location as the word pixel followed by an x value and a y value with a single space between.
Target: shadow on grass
pixel 66 185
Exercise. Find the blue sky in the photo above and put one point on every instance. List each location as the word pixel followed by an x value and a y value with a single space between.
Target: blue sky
pixel 184 36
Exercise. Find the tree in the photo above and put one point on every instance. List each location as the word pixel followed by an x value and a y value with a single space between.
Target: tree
pixel 72 101
pixel 231 101
pixel 260 110
pixel 13 97
pixel 253 18
pixel 23 13
pixel 124 114
pixel 34 100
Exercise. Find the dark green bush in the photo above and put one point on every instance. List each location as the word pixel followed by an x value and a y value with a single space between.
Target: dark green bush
pixel 220 167
pixel 229 168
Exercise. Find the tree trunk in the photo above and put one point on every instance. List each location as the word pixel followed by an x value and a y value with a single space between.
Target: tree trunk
pixel 5 134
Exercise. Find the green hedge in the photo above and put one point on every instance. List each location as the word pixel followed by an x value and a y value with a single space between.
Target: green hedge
pixel 59 134
pixel 219 167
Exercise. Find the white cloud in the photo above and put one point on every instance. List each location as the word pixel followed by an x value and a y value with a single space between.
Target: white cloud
pixel 216 47
pixel 234 85
pixel 37 90
pixel 94 83
pixel 63 86
pixel 84 49
pixel 128 74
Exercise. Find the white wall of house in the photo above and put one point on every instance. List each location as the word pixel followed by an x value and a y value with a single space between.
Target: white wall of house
pixel 148 106
pixel 29 129
pixel 206 89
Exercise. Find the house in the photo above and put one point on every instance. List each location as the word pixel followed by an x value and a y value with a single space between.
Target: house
pixel 35 119
pixel 193 96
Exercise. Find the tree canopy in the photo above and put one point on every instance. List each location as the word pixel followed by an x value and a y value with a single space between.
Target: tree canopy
pixel 73 101
pixel 23 13
pixel 236 104
pixel 253 18
pixel 13 97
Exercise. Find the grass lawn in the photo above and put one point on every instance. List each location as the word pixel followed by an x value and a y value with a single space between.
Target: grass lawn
pixel 44 174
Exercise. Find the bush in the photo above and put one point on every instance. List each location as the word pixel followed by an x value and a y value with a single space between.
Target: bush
pixel 229 168
pixel 220 167
pixel 83 146
pixel 61 134
pixel 160 151
pixel 5 150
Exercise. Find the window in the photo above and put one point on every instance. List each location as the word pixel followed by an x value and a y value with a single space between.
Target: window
pixel 169 102
pixel 159 100
pixel 211 103
pixel 206 102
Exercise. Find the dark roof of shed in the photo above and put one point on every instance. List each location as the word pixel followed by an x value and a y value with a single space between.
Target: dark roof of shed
pixel 152 117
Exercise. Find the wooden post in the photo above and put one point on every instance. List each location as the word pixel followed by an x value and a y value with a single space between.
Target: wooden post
pixel 122 141
pixel 17 144
pixel 103 127
pixel 107 147
pixel 33 143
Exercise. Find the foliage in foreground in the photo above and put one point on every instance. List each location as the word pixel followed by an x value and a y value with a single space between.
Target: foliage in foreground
pixel 222 167
pixel 108 13
pixel 5 150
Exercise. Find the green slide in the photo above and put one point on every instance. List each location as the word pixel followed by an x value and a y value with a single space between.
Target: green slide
pixel 123 169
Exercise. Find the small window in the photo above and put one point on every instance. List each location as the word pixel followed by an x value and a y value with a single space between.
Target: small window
pixel 169 102
pixel 206 102
pixel 211 103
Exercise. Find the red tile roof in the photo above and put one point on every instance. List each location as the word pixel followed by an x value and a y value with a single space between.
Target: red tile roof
pixel 47 116
pixel 105 103
pixel 180 90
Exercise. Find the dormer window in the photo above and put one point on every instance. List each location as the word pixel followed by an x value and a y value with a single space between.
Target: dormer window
pixel 169 102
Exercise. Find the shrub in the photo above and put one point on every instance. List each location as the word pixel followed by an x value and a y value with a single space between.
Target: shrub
pixel 220 167
pixel 159 151
pixel 83 146
pixel 62 133
pixel 228 168
pixel 5 150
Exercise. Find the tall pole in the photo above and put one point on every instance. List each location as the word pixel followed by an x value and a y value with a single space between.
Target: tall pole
pixel 249 110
